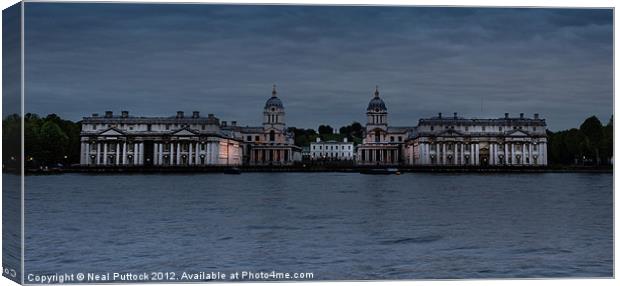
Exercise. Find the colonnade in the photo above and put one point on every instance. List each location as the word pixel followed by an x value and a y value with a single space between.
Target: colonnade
pixel 460 153
pixel 261 156
pixel 378 156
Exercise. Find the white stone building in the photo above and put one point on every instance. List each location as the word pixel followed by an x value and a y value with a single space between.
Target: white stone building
pixel 125 140
pixel 459 141
pixel 271 143
pixel 332 150
pixel 382 144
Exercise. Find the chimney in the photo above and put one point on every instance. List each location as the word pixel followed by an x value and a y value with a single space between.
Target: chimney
pixel 195 114
pixel 318 139
pixel 224 123
pixel 179 114
pixel 124 114
pixel 345 140
pixel 455 115
pixel 521 115
pixel 233 123
pixel 535 115
pixel 439 115
pixel 506 115
pixel 108 114
pixel 95 115
pixel 211 115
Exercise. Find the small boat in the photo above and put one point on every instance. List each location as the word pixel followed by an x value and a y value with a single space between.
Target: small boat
pixel 232 171
pixel 385 171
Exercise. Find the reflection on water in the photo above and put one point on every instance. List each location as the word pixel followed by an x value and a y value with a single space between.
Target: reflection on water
pixel 337 225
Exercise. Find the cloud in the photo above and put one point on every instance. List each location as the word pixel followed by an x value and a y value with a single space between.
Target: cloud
pixel 479 62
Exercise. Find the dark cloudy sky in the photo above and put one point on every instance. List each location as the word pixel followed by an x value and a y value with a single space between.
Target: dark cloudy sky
pixel 157 59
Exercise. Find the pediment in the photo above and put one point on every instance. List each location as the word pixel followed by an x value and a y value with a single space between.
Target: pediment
pixel 450 132
pixel 518 133
pixel 184 132
pixel 111 132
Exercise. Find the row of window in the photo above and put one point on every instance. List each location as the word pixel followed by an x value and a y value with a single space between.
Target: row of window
pixel 392 138
pixel 331 147
pixel 483 128
pixel 111 147
pixel 500 147
pixel 149 127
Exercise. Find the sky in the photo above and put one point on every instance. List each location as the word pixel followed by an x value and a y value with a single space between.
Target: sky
pixel 153 60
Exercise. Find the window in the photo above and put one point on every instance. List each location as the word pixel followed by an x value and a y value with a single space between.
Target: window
pixel 148 127
pixel 391 138
pixel 484 128
pixel 466 128
pixel 500 128
pixel 203 127
pixel 94 126
pixel 167 126
pixel 249 137
pixel 432 128
pixel 377 136
pixel 256 138
pixel 533 128
pixel 400 138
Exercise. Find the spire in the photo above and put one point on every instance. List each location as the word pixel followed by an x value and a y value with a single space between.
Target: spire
pixel 376 91
pixel 274 92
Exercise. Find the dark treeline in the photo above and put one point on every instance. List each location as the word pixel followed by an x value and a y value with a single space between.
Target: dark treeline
pixel 50 141
pixel 353 132
pixel 590 144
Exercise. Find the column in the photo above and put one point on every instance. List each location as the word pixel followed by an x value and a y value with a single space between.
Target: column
pixel 529 153
pixel 543 152
pixel 178 153
pixel 82 154
pixel 512 154
pixel 471 154
pixel 98 160
pixel 105 153
pixel 124 153
pixel 462 154
pixel 190 153
pixel 155 154
pixel 477 153
pixel 135 153
pixel 197 159
pixel 118 153
pixel 505 153
pixel 87 153
pixel 171 155
pixel 141 160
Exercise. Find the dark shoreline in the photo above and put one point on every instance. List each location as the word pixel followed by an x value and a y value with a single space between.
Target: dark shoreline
pixel 342 169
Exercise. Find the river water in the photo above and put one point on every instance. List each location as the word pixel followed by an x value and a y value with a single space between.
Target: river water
pixel 335 225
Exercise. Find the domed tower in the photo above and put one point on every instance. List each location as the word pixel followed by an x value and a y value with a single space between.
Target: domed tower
pixel 273 114
pixel 376 113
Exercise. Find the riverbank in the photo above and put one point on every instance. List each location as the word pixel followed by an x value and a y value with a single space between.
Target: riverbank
pixel 324 168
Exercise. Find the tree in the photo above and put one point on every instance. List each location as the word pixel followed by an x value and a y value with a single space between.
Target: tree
pixel 56 143
pixel 355 130
pixel 593 130
pixel 325 129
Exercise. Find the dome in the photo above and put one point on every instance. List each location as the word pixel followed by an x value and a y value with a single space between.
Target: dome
pixel 376 103
pixel 274 101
